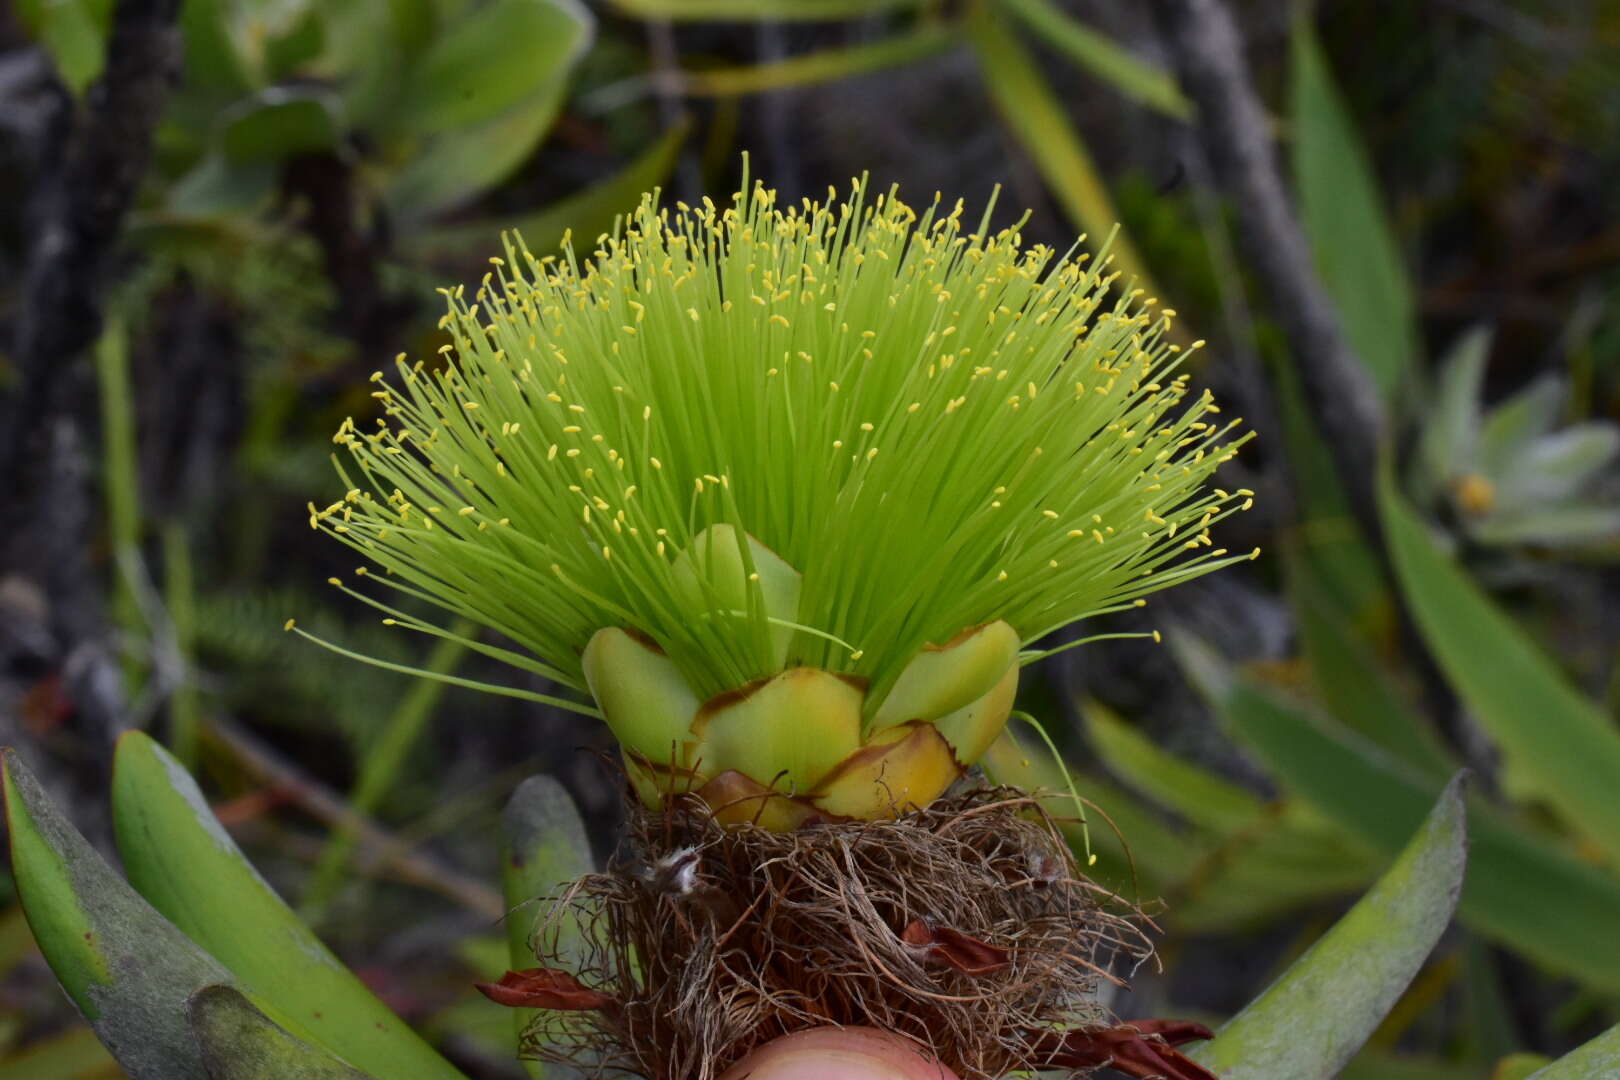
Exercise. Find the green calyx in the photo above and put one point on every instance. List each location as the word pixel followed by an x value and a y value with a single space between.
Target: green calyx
pixel 761 439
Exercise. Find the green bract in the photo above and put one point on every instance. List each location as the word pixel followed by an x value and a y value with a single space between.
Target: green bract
pixel 761 438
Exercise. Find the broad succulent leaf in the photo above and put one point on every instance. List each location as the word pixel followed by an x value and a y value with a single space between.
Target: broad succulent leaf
pixel 1313 1019
pixel 239 1042
pixel 180 858
pixel 126 967
pixel 1595 1060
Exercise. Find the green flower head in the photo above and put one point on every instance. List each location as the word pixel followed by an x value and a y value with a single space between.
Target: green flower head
pixel 888 447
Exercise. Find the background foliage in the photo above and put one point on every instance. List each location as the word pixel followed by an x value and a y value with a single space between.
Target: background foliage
pixel 320 167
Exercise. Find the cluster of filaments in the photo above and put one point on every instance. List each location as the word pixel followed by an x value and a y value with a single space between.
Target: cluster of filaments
pixel 934 425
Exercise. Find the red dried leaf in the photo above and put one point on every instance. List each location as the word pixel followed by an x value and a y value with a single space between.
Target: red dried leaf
pixel 1142 1048
pixel 543 988
pixel 968 955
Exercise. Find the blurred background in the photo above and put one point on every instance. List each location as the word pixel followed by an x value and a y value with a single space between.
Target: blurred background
pixel 218 217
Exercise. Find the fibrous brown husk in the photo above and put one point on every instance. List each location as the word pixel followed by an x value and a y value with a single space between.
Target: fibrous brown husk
pixel 966 926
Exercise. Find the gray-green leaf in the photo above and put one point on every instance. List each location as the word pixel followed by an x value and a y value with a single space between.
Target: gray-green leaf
pixel 1313 1019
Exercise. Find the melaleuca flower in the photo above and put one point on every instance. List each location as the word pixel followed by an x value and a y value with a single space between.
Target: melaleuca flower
pixel 789 491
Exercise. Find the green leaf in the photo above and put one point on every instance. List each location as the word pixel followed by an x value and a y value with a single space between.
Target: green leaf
pixel 1312 1020
pixel 1451 426
pixel 277 125
pixel 74 33
pixel 826 65
pixel 1545 726
pixel 212 61
pixel 1522 892
pixel 241 1043
pixel 543 848
pixel 1576 523
pixel 1519 1066
pixel 1253 860
pixel 1344 219
pixel 1106 59
pixel 759 10
pixel 587 214
pixel 179 857
pixel 126 968
pixel 1555 467
pixel 1037 118
pixel 1198 795
pixel 1352 682
pixel 489 61
pixel 216 187
pixel 1512 426
pixel 456 166
pixel 1595 1060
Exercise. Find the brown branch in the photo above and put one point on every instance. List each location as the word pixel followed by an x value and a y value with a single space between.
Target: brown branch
pixel 1209 58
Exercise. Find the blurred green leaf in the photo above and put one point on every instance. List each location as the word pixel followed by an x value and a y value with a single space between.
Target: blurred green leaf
pixel 586 214
pixel 1557 736
pixel 126 968
pixel 215 187
pixel 1596 1060
pixel 1196 794
pixel 1104 58
pixel 826 65
pixel 543 848
pixel 1273 861
pixel 1352 682
pixel 1575 523
pixel 239 1042
pixel 1451 424
pixel 1312 1020
pixel 1517 422
pixel 1519 1066
pixel 454 167
pixel 758 10
pixel 180 858
pixel 1521 891
pixel 212 61
pixel 1037 118
pixel 1557 466
pixel 489 61
pixel 75 1054
pixel 1344 219
pixel 277 125
pixel 74 33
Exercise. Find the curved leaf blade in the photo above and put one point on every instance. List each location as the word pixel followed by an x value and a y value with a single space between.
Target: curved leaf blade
pixel 492 59
pixel 1312 1020
pixel 1037 118
pixel 1106 59
pixel 1593 1061
pixel 585 215
pixel 1558 737
pixel 180 859
pixel 824 65
pixel 241 1043
pixel 126 967
pixel 1521 891
pixel 1344 219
